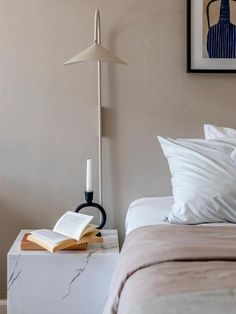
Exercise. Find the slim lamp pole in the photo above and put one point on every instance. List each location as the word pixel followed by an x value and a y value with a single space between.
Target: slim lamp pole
pixel 100 132
pixel 97 40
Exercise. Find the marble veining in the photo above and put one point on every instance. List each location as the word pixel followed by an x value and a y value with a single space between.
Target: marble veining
pixel 15 274
pixel 41 282
pixel 78 273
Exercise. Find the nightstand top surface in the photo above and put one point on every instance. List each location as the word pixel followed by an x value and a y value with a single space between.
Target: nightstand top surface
pixel 110 245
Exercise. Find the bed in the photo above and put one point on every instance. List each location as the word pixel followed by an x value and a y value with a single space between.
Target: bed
pixel 185 263
pixel 173 269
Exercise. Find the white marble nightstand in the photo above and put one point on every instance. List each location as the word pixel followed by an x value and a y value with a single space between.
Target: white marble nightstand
pixel 68 282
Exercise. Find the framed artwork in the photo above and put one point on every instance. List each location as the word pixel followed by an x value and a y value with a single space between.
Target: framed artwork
pixel 211 36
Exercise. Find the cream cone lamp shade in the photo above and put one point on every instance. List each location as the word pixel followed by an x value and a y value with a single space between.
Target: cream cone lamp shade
pixel 98 54
pixel 95 53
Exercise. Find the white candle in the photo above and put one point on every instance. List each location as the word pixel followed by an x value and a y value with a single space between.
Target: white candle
pixel 89 186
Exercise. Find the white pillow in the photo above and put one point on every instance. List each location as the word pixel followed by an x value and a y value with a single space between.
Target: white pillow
pixel 203 180
pixel 213 132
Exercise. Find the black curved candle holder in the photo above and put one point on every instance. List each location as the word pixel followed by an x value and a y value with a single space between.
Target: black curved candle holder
pixel 90 203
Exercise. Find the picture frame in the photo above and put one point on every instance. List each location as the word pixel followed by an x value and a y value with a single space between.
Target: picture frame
pixel 198 38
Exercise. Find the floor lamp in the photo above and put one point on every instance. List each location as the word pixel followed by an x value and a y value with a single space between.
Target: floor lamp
pixel 99 54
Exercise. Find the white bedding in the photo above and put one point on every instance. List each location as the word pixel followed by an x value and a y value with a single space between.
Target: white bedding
pixel 203 177
pixel 148 211
pixel 151 211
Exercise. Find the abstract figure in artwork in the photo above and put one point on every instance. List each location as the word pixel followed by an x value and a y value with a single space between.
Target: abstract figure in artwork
pixel 221 38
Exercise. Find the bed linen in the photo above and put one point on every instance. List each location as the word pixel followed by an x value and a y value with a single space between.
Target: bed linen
pixel 152 211
pixel 213 132
pixel 148 211
pixel 175 269
pixel 203 177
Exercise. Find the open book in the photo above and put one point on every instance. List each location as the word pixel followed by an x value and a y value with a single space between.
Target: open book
pixel 72 228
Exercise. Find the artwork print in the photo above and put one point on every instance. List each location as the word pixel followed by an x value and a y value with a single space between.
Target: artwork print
pixel 219 29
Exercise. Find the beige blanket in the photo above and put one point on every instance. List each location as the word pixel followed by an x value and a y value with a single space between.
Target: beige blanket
pixel 161 264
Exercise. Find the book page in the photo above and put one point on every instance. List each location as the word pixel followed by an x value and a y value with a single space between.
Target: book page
pixel 49 236
pixel 89 230
pixel 72 224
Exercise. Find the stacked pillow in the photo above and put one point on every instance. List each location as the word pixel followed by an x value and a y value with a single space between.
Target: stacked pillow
pixel 213 132
pixel 203 177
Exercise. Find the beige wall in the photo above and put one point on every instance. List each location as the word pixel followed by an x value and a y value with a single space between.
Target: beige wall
pixel 48 112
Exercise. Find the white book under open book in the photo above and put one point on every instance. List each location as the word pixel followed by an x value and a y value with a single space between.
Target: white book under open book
pixel 70 229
